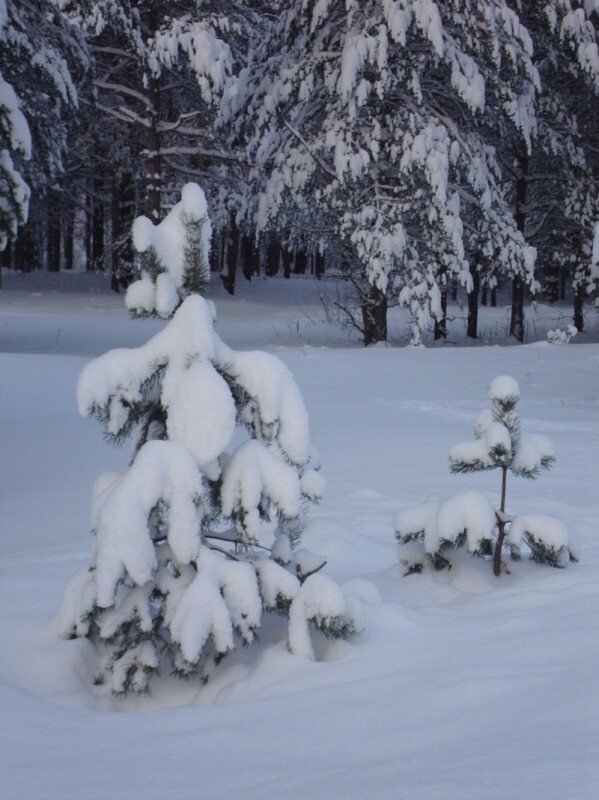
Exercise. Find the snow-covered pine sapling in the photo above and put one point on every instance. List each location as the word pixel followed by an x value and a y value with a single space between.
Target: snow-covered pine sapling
pixel 499 444
pixel 562 335
pixel 199 537
pixel 174 256
pixel 467 518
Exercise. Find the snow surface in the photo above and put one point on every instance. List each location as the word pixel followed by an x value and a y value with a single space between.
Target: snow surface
pixel 460 687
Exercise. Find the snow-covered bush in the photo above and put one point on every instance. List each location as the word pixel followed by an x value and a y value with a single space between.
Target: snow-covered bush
pixel 562 335
pixel 199 537
pixel 467 518
pixel 175 256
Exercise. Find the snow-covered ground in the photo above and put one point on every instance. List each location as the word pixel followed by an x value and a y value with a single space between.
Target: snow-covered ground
pixel 463 687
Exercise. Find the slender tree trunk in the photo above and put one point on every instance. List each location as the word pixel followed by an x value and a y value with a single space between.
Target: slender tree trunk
pixel 89 224
pixel 517 317
pixel 273 253
pixel 579 308
pixel 116 218
pixel 472 330
pixel 248 254
pixel 69 236
pixel 454 291
pixel 228 277
pixel 287 257
pixel 494 297
pixel 484 295
pixel 98 231
pixel 301 262
pixel 441 324
pixel 23 250
pixel 578 290
pixel 319 264
pixel 374 317
pixel 154 174
pixel 500 525
pixel 53 235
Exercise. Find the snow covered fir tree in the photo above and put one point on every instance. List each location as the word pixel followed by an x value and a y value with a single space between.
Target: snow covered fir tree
pixel 200 537
pixel 429 531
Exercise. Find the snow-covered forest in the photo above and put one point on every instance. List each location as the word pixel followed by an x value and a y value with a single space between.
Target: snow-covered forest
pixel 419 150
pixel 299 391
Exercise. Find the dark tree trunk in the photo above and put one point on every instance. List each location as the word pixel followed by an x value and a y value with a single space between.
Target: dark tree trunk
pixel 319 264
pixel 98 231
pixel 472 329
pixel 53 235
pixel 89 224
pixel 454 291
pixel 116 219
pixel 494 297
pixel 484 295
pixel 215 252
pixel 228 276
pixel 154 167
pixel 579 308
pixel 69 237
pixel 562 284
pixel 441 324
pixel 273 253
pixel 287 257
pixel 578 318
pixel 23 250
pixel 517 317
pixel 301 262
pixel 248 255
pixel 374 317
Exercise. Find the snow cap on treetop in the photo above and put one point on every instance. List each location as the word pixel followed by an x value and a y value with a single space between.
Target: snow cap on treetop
pixel 504 387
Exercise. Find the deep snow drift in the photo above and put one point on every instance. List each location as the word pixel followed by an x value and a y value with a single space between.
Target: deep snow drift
pixel 462 686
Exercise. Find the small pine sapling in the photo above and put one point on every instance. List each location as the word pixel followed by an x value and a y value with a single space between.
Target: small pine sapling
pixel 468 518
pixel 199 538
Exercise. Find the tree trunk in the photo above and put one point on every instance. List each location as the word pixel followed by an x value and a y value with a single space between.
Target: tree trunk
pixel 53 235
pixel 154 173
pixel 319 264
pixel 69 236
pixel 517 317
pixel 494 297
pixel 273 252
pixel 500 525
pixel 374 317
pixel 484 295
pixel 228 276
pixel 441 324
pixel 579 308
pixel 248 254
pixel 23 249
pixel 89 223
pixel 287 257
pixel 115 214
pixel 472 330
pixel 301 262
pixel 98 231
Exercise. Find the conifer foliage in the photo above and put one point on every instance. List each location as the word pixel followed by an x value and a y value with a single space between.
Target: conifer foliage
pixel 199 537
pixel 468 518
pixel 174 256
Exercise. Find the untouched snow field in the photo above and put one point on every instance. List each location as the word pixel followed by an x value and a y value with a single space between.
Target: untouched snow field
pixel 463 687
